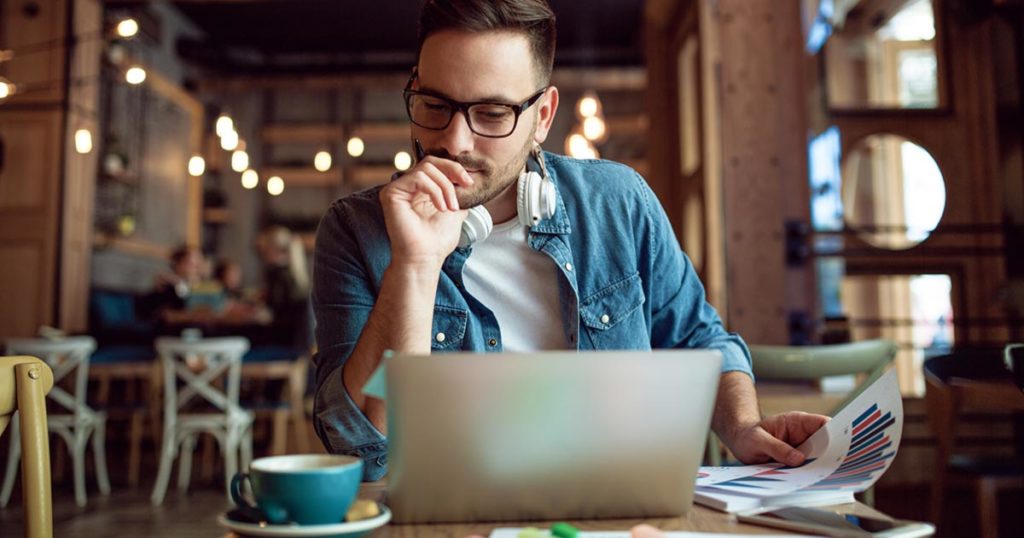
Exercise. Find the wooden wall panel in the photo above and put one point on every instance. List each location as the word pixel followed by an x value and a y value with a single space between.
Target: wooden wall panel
pixel 35 31
pixel 22 287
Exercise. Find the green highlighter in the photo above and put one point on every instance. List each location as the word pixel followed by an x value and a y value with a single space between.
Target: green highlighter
pixel 564 530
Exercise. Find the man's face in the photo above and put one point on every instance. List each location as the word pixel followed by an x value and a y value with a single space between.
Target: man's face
pixel 488 66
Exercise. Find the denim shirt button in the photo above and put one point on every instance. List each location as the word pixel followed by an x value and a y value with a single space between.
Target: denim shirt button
pixel 440 337
pixel 492 342
pixel 568 266
pixel 605 319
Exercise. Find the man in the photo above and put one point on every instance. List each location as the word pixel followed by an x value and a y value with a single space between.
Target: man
pixel 603 272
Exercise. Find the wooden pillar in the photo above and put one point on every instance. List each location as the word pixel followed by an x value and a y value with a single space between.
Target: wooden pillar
pixel 763 158
pixel 46 187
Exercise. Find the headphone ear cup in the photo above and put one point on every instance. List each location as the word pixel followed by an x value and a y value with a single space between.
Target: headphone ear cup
pixel 529 203
pixel 546 205
pixel 476 227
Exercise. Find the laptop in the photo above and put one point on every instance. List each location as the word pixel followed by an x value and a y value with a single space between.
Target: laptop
pixel 546 436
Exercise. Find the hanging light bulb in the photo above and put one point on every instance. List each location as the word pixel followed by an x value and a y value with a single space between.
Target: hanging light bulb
pixel 229 142
pixel 576 145
pixel 356 146
pixel 7 89
pixel 322 161
pixel 83 141
pixel 239 160
pixel 594 129
pixel 224 125
pixel 403 160
pixel 127 28
pixel 135 75
pixel 196 166
pixel 588 105
pixel 250 179
pixel 275 186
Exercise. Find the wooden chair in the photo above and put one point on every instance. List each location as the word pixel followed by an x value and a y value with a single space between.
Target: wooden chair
pixel 974 382
pixel 289 367
pixel 197 364
pixel 24 383
pixel 81 424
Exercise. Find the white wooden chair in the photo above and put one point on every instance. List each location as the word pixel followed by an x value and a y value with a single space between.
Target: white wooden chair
pixel 190 368
pixel 64 356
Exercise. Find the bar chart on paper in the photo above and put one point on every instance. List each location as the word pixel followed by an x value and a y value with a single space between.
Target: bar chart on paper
pixel 847 455
pixel 871 450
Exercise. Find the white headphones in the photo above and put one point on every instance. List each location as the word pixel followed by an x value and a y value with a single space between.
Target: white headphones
pixel 535 200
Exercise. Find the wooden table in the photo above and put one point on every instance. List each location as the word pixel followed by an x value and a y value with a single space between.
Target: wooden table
pixel 699 519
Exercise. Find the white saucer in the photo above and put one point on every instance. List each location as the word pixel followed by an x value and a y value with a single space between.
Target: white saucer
pixel 336 530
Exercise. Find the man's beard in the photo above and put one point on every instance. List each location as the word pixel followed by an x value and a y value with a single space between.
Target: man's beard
pixel 490 182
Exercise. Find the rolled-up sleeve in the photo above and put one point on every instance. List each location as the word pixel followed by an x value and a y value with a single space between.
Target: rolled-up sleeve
pixel 342 299
pixel 681 317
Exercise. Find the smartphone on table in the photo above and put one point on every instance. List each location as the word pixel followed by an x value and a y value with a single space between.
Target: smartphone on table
pixel 838 524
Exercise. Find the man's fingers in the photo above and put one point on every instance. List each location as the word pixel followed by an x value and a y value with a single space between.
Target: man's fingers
pixel 782 452
pixel 443 181
pixel 455 172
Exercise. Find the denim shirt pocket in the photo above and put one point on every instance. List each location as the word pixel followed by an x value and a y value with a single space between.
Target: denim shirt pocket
pixel 612 315
pixel 448 329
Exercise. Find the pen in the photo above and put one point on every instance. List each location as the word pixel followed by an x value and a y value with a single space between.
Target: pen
pixel 420 154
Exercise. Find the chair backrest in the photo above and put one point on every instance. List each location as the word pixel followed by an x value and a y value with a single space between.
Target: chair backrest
pixel 809 363
pixel 24 382
pixel 197 363
pixel 63 356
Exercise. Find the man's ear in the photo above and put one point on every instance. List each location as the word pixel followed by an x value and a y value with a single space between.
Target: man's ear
pixel 546 108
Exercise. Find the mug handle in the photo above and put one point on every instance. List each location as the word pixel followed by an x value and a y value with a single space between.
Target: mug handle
pixel 273 514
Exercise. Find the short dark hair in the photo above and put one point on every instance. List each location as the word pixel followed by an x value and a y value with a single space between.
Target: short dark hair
pixel 180 253
pixel 533 18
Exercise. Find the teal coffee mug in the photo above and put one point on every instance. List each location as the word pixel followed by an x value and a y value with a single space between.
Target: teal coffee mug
pixel 308 489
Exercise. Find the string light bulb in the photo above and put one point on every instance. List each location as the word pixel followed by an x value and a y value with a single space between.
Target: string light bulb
pixel 356 147
pixel 239 160
pixel 229 141
pixel 594 129
pixel 135 75
pixel 83 141
pixel 224 125
pixel 196 166
pixel 7 88
pixel 322 161
pixel 250 179
pixel 275 186
pixel 588 105
pixel 127 28
pixel 403 160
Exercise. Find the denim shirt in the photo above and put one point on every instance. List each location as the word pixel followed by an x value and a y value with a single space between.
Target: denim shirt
pixel 624 283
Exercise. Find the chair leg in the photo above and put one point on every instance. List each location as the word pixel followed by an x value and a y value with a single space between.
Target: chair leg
pixel 988 509
pixel 279 433
pixel 78 464
pixel 13 456
pixel 939 483
pixel 246 448
pixel 188 445
pixel 135 448
pixel 99 452
pixel 296 388
pixel 230 450
pixel 164 473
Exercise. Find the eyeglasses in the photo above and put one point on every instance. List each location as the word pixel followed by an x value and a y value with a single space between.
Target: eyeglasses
pixel 488 119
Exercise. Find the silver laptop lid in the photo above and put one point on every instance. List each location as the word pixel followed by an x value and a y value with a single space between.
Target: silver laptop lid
pixel 553 435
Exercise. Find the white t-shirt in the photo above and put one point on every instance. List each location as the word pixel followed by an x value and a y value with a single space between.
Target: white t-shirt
pixel 520 285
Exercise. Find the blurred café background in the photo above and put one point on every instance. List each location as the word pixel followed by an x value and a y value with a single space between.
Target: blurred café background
pixel 838 171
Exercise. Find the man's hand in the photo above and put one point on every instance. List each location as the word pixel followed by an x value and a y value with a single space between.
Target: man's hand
pixel 422 213
pixel 775 437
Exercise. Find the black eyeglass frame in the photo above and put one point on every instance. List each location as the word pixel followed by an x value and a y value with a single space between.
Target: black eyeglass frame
pixel 456 106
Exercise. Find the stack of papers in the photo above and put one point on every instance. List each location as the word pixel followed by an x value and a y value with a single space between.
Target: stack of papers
pixel 846 456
